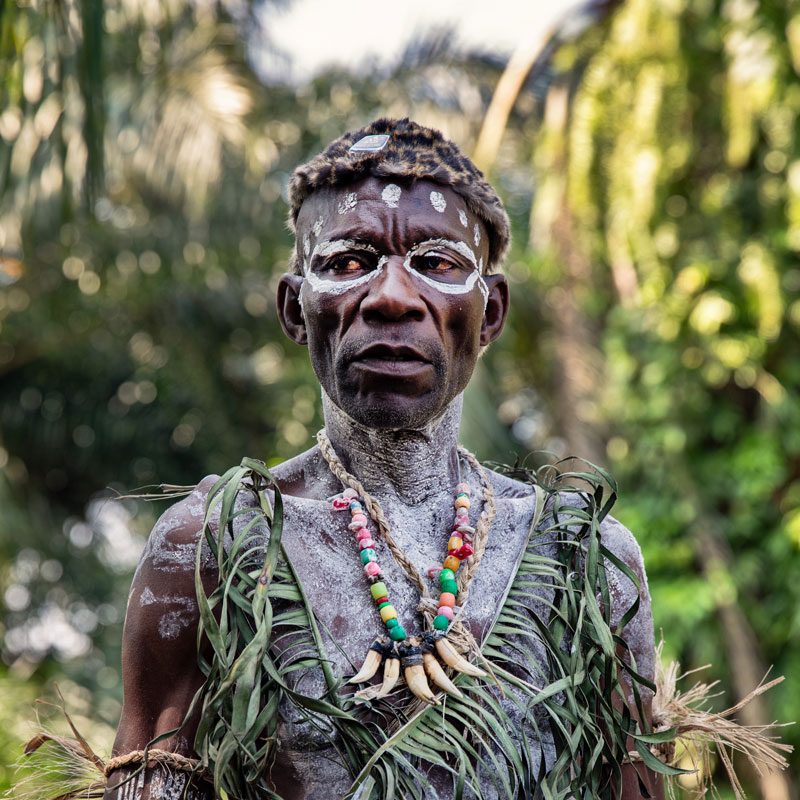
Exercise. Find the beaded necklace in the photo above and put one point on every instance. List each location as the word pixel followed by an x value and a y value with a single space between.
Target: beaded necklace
pixel 446 635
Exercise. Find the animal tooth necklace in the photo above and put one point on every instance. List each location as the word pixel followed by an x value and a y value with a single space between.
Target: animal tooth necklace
pixel 465 546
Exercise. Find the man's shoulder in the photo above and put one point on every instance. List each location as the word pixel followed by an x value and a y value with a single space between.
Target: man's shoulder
pixel 172 543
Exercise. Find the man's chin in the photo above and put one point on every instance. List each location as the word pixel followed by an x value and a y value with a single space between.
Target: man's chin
pixel 392 411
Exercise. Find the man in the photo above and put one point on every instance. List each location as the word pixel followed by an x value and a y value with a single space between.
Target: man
pixel 396 291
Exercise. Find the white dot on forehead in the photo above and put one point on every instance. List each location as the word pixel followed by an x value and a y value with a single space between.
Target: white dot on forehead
pixel 348 204
pixel 306 245
pixel 438 202
pixel 391 195
pixel 317 227
pixel 477 237
pixel 462 217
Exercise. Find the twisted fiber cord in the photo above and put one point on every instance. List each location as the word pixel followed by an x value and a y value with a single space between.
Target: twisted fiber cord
pixel 428 605
pixel 162 757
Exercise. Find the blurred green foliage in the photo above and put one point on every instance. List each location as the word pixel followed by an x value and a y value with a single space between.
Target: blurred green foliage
pixel 651 170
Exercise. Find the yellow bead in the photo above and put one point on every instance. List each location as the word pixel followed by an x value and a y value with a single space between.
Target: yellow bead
pixel 451 562
pixel 462 502
pixel 455 543
pixel 387 613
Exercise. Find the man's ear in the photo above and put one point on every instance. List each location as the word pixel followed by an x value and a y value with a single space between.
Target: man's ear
pixel 494 318
pixel 290 312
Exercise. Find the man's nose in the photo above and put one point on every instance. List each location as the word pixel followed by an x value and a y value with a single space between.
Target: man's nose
pixel 393 294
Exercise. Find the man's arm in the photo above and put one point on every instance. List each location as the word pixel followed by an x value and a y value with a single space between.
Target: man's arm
pixel 640 638
pixel 159 653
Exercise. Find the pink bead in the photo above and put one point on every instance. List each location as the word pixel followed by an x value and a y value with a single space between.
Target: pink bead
pixel 340 504
pixel 462 487
pixel 350 494
pixel 433 572
pixel 462 513
pixel 365 543
pixel 363 533
pixel 361 519
pixel 371 568
pixel 445 611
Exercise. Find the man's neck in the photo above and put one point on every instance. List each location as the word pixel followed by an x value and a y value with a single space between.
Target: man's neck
pixel 411 464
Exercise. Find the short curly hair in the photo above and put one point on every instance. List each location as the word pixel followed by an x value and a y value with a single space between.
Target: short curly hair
pixel 412 152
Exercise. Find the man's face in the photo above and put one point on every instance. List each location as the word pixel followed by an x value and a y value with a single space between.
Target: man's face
pixel 392 302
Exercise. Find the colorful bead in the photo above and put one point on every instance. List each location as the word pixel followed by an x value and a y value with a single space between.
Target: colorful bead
pixel 465 551
pixel 446 575
pixel 463 488
pixel 466 529
pixel 450 587
pixel 445 611
pixel 371 568
pixel 440 622
pixel 359 519
pixel 447 599
pixel 388 612
pixel 352 494
pixel 461 502
pixel 355 506
pixel 365 543
pixel 381 600
pixel 392 623
pixel 340 503
pixel 451 562
pixel 378 590
pixel 363 533
pixel 454 543
pixel 367 555
pixel 398 633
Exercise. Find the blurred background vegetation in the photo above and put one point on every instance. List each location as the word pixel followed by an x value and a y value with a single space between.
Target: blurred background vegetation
pixel 649 154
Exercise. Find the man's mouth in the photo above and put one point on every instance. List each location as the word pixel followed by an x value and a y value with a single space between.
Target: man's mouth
pixel 391 359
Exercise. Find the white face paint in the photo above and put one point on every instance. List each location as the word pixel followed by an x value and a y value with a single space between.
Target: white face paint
pixel 462 217
pixel 326 286
pixel 317 227
pixel 348 204
pixel 438 202
pixel 477 237
pixel 306 245
pixel 391 195
pixel 338 287
pixel 432 245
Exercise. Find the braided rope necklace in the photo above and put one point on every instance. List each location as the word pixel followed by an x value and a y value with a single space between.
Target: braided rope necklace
pixel 446 634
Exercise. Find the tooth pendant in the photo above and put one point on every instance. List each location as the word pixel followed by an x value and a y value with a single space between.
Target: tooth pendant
pixel 418 663
pixel 455 660
pixel 371 662
pixel 414 672
pixel 391 672
pixel 434 671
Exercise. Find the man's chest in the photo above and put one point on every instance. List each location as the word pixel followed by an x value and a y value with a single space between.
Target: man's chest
pixel 325 556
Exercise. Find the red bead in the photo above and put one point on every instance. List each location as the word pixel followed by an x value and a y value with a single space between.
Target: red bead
pixel 340 503
pixel 382 599
pixel 465 551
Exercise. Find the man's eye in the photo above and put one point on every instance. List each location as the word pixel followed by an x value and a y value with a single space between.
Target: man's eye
pixel 434 263
pixel 344 264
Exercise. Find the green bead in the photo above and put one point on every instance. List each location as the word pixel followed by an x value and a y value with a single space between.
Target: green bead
pixel 383 604
pixel 378 590
pixel 367 555
pixel 398 633
pixel 393 622
pixel 440 622
pixel 450 586
pixel 446 575
pixel 462 494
